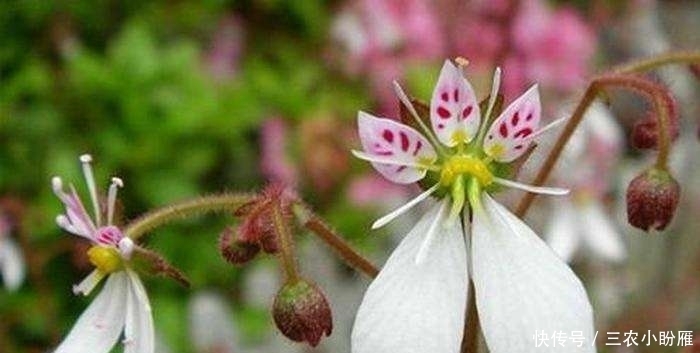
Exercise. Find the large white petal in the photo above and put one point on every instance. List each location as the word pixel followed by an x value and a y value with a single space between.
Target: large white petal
pixel 11 264
pixel 600 233
pixel 412 308
pixel 99 327
pixel 562 232
pixel 139 335
pixel 522 287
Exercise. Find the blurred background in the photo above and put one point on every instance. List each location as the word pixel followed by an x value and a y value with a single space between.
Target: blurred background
pixel 186 98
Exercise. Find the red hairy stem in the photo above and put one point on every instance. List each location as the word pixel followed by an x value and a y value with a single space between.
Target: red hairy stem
pixel 659 96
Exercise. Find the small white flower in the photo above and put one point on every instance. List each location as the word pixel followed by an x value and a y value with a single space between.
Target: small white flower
pixel 122 305
pixel 417 302
pixel 594 152
pixel 211 327
pixel 11 260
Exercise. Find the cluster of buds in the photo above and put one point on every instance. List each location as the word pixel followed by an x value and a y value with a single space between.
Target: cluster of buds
pixel 256 230
pixel 300 311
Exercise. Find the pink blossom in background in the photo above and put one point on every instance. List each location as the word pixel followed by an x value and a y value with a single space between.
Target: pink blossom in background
pixel 274 163
pixel 372 190
pixel 554 48
pixel 380 37
pixel 226 49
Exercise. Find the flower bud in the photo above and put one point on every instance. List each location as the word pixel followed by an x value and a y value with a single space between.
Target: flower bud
pixel 645 133
pixel 302 313
pixel 236 251
pixel 652 199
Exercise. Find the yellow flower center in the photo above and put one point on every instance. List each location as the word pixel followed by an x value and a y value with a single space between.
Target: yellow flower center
pixel 106 259
pixel 465 164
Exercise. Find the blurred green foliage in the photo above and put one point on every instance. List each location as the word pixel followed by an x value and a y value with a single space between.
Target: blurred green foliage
pixel 128 82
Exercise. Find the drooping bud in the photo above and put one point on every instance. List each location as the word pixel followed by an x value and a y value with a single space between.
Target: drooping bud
pixel 302 313
pixel 652 199
pixel 645 133
pixel 236 251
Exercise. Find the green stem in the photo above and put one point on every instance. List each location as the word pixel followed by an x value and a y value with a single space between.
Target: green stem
pixel 286 243
pixel 185 209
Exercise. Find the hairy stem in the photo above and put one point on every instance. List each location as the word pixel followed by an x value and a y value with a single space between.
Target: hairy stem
pixel 589 96
pixel 286 244
pixel 185 209
pixel 335 241
pixel 649 90
pixel 682 57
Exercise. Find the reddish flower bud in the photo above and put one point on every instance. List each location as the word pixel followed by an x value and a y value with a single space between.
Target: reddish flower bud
pixel 645 133
pixel 302 313
pixel 652 199
pixel 236 251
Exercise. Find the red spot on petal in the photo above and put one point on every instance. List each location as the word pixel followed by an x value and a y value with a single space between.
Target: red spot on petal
pixel 515 119
pixel 444 96
pixel 490 137
pixel 404 141
pixel 419 144
pixel 519 147
pixel 441 126
pixel 503 130
pixel 524 132
pixel 443 113
pixel 466 112
pixel 388 136
pixel 384 153
pixel 528 117
pixel 401 169
pixel 456 95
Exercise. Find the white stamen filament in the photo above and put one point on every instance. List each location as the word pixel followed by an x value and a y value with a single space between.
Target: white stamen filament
pixel 432 231
pixel 495 87
pixel 548 127
pixel 407 103
pixel 375 159
pixel 90 179
pixel 64 223
pixel 86 286
pixel 112 198
pixel 57 186
pixel 531 188
pixel 401 210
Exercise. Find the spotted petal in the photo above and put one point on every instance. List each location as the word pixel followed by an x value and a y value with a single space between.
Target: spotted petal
pixel 454 110
pixel 403 149
pixel 412 307
pixel 522 287
pixel 512 132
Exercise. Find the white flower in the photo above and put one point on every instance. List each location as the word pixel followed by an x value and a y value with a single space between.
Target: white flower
pixel 417 302
pixel 211 327
pixel 122 305
pixel 11 259
pixel 594 152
